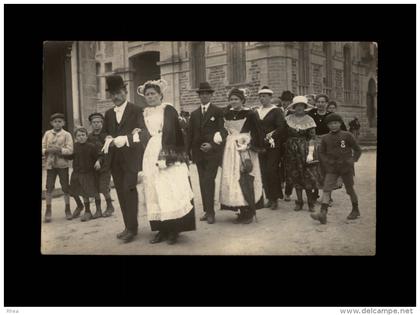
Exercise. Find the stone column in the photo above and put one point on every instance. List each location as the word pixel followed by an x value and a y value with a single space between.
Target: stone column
pixel 87 80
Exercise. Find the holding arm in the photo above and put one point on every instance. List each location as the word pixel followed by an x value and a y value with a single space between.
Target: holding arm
pixel 280 132
pixel 67 149
pixel 253 125
pixel 220 135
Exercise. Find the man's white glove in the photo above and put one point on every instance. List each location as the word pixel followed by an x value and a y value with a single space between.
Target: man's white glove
pixel 217 138
pixel 136 137
pixel 108 141
pixel 121 141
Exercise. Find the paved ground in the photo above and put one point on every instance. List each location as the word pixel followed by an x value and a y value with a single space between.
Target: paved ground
pixel 281 232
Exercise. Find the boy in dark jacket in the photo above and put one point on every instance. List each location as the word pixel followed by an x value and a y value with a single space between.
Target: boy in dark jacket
pixel 338 152
pixel 102 165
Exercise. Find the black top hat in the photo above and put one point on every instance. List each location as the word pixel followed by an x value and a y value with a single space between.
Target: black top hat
pixel 287 96
pixel 205 87
pixel 57 115
pixel 114 83
pixel 96 115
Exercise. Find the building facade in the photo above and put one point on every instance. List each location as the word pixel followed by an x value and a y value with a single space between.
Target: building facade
pixel 346 71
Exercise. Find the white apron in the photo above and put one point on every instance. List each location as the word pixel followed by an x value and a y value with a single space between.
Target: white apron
pixel 230 190
pixel 167 191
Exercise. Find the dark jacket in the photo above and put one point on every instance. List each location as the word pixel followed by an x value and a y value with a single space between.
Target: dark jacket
pixel 98 141
pixel 173 148
pixel 338 152
pixel 274 120
pixel 131 119
pixel 202 129
pixel 321 126
pixel 84 157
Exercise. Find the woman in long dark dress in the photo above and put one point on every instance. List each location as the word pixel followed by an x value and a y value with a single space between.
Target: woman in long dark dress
pixel 167 188
pixel 241 175
pixel 301 168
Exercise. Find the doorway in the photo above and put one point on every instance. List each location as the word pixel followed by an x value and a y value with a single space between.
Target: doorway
pixel 57 91
pixel 145 68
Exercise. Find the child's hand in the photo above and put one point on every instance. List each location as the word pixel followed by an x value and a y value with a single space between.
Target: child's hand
pixel 97 165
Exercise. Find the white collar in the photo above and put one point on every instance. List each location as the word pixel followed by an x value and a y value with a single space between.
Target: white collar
pixel 121 108
pixel 57 132
pixel 206 105
pixel 267 108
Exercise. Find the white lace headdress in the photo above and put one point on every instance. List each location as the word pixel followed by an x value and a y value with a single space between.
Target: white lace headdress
pixel 161 83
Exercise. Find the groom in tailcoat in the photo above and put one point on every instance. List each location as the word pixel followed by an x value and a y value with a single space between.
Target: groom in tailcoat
pixel 204 122
pixel 126 152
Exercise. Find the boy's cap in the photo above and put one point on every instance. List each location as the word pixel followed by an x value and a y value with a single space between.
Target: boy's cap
pixel 57 115
pixel 96 115
pixel 333 117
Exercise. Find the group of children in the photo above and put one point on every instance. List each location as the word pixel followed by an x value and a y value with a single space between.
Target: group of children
pixel 91 174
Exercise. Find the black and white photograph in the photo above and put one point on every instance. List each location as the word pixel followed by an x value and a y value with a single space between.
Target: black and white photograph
pixel 198 157
pixel 209 148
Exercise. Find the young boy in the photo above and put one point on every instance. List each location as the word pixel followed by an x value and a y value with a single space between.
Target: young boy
pixel 338 152
pixel 56 144
pixel 82 181
pixel 102 165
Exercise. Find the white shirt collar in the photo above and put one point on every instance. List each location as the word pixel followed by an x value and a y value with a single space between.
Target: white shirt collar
pixel 121 108
pixel 206 106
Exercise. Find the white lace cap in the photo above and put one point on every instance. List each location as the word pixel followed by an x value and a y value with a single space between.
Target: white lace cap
pixel 161 83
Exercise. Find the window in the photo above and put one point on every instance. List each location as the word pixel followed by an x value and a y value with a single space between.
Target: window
pixel 198 63
pixel 347 73
pixel 327 47
pixel 98 79
pixel 108 67
pixel 237 62
pixel 303 66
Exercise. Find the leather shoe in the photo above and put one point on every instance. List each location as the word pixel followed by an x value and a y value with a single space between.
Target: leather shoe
pixel 159 237
pixel 128 237
pixel 121 234
pixel 172 238
pixel 210 219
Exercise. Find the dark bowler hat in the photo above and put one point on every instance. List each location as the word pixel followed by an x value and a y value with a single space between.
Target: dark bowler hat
pixel 57 115
pixel 114 83
pixel 96 115
pixel 205 87
pixel 333 117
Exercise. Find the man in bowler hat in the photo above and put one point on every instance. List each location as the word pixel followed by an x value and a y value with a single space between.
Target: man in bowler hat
pixel 204 122
pixel 125 152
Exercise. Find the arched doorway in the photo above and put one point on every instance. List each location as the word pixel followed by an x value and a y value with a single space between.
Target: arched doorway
pixel 144 67
pixel 371 103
